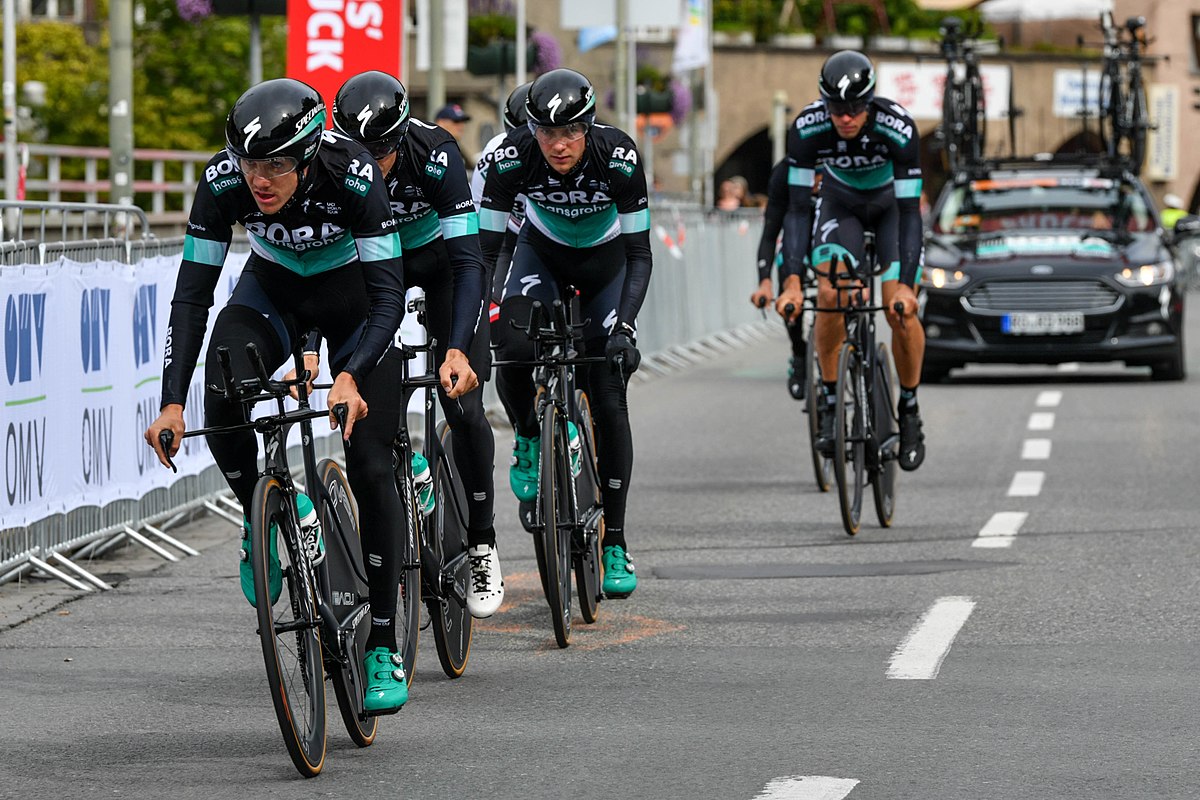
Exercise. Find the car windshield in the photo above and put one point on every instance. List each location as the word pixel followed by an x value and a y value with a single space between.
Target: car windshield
pixel 1043 203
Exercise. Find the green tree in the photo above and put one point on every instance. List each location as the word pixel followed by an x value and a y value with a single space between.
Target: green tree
pixel 76 77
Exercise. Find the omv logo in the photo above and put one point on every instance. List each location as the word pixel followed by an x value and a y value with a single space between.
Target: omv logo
pixel 94 305
pixel 145 324
pixel 24 330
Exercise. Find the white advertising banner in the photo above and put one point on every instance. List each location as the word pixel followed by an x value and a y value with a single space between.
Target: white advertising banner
pixel 919 87
pixel 1075 90
pixel 1162 140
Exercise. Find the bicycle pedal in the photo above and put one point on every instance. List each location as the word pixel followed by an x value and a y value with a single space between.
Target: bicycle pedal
pixel 366 715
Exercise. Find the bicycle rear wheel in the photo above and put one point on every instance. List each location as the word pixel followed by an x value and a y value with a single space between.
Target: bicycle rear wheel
pixel 289 629
pixel 849 455
pixel 1135 114
pixel 976 116
pixel 585 551
pixel 822 466
pixel 347 594
pixel 953 115
pixel 408 593
pixel 452 623
pixel 554 538
pixel 883 475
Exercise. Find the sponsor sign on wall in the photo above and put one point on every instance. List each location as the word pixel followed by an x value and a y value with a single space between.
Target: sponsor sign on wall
pixel 919 88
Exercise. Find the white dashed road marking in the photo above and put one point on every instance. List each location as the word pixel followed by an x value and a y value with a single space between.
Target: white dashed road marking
pixel 1026 484
pixel 1000 529
pixel 807 787
pixel 919 657
pixel 1049 399
pixel 1041 421
pixel 1035 449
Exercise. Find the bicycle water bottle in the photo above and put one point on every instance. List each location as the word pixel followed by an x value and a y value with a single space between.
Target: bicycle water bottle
pixel 423 483
pixel 310 528
pixel 575 448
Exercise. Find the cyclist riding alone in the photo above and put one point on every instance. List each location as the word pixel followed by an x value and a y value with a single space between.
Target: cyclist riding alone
pixel 587 225
pixel 777 208
pixel 326 255
pixel 868 149
pixel 422 168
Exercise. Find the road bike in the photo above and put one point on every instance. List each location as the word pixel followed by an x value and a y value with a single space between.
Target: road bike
pixel 434 562
pixel 1123 110
pixel 866 427
pixel 318 627
pixel 964 111
pixel 567 519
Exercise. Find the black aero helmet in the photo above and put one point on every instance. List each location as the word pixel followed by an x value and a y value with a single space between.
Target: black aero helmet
pixel 372 108
pixel 275 119
pixel 560 97
pixel 847 82
pixel 515 114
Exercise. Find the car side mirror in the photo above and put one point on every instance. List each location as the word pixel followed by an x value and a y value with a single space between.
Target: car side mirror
pixel 1186 228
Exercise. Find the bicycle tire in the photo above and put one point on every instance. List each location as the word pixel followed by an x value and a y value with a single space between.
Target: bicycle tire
pixel 822 466
pixel 289 629
pixel 338 520
pixel 976 106
pixel 408 592
pixel 952 122
pixel 585 550
pixel 883 476
pixel 849 454
pixel 553 483
pixel 1111 103
pixel 451 621
pixel 1137 125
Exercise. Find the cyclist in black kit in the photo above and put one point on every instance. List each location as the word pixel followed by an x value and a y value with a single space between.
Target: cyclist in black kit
pixel 326 255
pixel 439 231
pixel 777 208
pixel 868 150
pixel 587 224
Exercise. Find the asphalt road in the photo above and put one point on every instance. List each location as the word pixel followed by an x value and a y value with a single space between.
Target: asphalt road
pixel 765 653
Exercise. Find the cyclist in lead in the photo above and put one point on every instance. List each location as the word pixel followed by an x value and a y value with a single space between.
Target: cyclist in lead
pixel 326 255
pixel 867 147
pixel 426 181
pixel 777 208
pixel 587 224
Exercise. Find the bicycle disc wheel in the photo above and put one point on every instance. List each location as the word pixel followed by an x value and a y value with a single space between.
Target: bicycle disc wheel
pixel 289 629
pixel 348 594
pixel 822 466
pixel 883 476
pixel 849 453
pixel 585 550
pixel 451 622
pixel 1136 113
pixel 555 534
pixel 408 593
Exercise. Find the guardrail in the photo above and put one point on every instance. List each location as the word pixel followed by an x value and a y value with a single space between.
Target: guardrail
pixel 697 307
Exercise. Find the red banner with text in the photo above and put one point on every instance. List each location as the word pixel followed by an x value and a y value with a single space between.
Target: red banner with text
pixel 332 40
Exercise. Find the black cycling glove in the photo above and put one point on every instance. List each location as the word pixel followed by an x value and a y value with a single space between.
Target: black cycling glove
pixel 622 354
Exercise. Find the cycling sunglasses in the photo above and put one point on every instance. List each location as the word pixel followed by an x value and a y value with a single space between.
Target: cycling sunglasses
pixel 843 108
pixel 269 168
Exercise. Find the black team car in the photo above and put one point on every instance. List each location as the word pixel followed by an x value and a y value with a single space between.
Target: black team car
pixel 1046 262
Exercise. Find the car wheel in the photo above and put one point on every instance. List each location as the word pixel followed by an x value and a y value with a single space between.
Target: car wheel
pixel 1173 369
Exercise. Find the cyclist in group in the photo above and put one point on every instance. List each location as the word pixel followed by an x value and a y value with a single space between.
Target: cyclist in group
pixel 587 224
pixel 326 255
pixel 777 208
pixel 868 149
pixel 422 168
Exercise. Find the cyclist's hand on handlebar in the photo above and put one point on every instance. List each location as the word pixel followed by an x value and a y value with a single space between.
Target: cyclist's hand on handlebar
pixel 790 297
pixel 312 363
pixel 762 295
pixel 456 374
pixel 345 391
pixel 170 419
pixel 622 353
pixel 905 296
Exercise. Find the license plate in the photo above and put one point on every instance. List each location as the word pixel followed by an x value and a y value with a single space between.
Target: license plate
pixel 1042 323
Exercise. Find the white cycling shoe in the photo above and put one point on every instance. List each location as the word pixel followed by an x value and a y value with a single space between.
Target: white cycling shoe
pixel 486 590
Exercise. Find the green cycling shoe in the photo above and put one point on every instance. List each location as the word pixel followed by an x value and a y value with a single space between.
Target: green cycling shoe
pixel 387 688
pixel 314 542
pixel 619 577
pixel 523 468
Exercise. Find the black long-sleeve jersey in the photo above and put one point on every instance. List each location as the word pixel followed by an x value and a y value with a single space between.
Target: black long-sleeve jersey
pixel 776 210
pixel 601 198
pixel 431 198
pixel 338 215
pixel 884 156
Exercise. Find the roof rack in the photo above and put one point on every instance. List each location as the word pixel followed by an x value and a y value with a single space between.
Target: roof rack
pixel 1106 166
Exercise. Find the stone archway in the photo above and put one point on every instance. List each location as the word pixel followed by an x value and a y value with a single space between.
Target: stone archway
pixel 751 159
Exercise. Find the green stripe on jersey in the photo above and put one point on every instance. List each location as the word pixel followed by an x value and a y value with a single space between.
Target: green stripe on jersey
pixel 492 220
pixel 307 262
pixel 865 179
pixel 801 176
pixel 908 187
pixel 460 225
pixel 379 248
pixel 636 222
pixel 420 231
pixel 204 251
pixel 583 231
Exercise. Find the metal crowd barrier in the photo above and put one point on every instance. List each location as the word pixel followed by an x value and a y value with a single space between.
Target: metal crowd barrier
pixel 697 306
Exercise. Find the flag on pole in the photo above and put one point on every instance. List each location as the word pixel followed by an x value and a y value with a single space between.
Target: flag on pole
pixel 691 45
pixel 596 36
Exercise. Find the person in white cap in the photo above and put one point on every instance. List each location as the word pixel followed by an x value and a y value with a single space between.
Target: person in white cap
pixel 1173 210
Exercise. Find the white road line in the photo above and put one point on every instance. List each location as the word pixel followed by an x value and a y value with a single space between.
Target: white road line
pixel 807 787
pixel 1035 449
pixel 1070 366
pixel 919 656
pixel 1049 399
pixel 1000 529
pixel 1041 421
pixel 1026 484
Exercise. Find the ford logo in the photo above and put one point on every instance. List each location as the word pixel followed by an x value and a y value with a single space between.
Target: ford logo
pixel 1042 269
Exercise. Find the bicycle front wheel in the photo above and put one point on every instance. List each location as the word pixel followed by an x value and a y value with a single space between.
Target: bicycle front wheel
pixel 554 479
pixel 849 454
pixel 822 466
pixel 452 625
pixel 408 593
pixel 885 439
pixel 585 551
pixel 289 629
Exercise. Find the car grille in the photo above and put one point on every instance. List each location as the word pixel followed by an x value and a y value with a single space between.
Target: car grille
pixel 1042 295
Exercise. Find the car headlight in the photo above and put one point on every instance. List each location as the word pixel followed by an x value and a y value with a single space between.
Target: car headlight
pixel 1147 274
pixel 938 278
